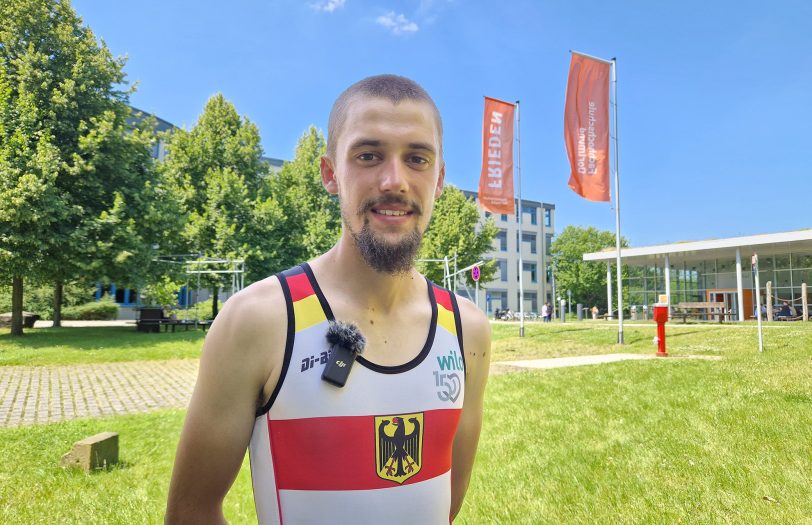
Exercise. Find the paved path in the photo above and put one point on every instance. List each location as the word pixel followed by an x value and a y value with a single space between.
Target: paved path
pixel 47 394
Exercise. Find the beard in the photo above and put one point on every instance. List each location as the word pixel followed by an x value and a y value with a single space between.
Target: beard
pixel 380 254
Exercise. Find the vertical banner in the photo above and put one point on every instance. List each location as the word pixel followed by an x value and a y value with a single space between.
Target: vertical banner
pixel 496 180
pixel 586 127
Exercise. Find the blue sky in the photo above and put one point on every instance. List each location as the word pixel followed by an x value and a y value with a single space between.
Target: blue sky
pixel 715 97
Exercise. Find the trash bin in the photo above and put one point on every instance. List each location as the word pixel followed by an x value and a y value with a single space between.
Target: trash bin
pixel 580 310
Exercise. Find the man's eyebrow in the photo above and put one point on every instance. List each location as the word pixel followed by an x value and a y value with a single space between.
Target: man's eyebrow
pixel 360 143
pixel 422 146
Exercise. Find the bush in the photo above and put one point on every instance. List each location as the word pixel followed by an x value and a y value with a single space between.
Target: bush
pixel 103 310
pixel 39 298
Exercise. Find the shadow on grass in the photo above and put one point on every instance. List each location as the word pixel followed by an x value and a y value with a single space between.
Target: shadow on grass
pixel 94 338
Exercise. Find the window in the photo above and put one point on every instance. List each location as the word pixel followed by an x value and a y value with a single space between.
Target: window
pixel 503 270
pixel 501 238
pixel 530 238
pixel 488 214
pixel 530 210
pixel 503 217
pixel 531 268
pixel 548 217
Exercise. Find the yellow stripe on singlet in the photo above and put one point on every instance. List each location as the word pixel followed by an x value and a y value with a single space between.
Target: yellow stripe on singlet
pixel 308 312
pixel 446 319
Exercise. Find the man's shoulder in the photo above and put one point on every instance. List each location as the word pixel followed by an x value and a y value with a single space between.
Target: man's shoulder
pixel 475 324
pixel 255 310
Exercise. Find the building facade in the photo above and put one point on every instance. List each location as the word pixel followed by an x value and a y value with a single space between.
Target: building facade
pixel 538 228
pixel 716 270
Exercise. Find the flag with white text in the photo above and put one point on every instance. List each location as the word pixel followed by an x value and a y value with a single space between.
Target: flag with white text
pixel 586 127
pixel 496 179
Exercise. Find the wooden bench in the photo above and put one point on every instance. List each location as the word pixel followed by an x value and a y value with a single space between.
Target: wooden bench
pixel 699 309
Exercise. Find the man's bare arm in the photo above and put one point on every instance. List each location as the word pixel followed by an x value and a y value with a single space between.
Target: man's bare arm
pixel 476 332
pixel 241 358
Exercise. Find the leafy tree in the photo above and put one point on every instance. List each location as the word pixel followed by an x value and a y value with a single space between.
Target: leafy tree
pixel 586 280
pixel 455 228
pixel 312 217
pixel 216 169
pixel 62 128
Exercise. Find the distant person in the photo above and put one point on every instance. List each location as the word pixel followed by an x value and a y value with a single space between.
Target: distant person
pixel 549 316
pixel 544 311
pixel 785 310
pixel 595 313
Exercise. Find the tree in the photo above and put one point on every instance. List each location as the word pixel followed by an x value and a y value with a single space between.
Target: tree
pixel 586 280
pixel 312 217
pixel 455 228
pixel 62 122
pixel 216 169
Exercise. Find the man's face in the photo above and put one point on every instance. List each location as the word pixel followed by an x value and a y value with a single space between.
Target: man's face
pixel 387 172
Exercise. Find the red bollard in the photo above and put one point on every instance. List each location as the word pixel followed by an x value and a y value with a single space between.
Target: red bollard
pixel 661 316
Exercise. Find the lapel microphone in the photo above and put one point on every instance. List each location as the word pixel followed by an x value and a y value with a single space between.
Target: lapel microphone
pixel 346 342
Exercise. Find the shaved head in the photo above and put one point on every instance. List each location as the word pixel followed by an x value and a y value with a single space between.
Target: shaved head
pixel 389 87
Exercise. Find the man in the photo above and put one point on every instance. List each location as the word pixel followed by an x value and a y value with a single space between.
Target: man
pixel 396 444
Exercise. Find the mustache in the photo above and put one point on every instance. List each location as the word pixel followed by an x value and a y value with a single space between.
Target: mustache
pixel 368 204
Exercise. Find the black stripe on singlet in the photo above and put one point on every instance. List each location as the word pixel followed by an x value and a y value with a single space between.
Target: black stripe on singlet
pixel 458 324
pixel 282 276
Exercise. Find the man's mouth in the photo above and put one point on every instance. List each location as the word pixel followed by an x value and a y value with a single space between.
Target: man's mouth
pixel 391 213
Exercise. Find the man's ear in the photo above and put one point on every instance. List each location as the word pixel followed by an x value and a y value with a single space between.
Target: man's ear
pixel 328 175
pixel 440 181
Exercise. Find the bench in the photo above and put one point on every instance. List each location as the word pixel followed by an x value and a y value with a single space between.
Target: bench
pixel 150 319
pixel 699 309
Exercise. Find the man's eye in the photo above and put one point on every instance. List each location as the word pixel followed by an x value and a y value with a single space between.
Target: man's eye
pixel 366 157
pixel 420 161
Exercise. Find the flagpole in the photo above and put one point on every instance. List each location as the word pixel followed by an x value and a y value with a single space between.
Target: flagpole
pixel 519 219
pixel 617 217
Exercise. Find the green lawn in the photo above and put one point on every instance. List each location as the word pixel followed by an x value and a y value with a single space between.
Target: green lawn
pixel 62 346
pixel 657 441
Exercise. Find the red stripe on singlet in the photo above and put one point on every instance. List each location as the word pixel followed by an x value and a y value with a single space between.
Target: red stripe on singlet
pixel 338 453
pixel 443 298
pixel 300 287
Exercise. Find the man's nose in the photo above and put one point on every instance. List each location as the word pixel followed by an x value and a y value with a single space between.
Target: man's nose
pixel 394 177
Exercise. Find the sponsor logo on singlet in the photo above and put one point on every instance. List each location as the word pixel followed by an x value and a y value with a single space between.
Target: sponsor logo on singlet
pixel 310 362
pixel 447 379
pixel 398 446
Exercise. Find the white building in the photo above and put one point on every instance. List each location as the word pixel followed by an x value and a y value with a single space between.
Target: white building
pixel 538 228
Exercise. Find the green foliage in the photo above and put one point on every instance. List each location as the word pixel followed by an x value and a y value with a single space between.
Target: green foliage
pixel 312 217
pixel 216 170
pixel 39 298
pixel 105 309
pixel 78 190
pixel 455 228
pixel 164 292
pixel 586 280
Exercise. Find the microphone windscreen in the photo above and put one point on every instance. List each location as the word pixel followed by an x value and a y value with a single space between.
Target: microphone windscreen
pixel 346 335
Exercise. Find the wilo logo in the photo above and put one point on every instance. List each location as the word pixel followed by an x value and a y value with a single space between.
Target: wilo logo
pixel 452 361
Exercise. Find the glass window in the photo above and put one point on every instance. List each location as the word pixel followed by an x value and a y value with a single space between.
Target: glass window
pixel 548 217
pixel 503 217
pixel 782 262
pixel 531 268
pixel 531 239
pixel 488 214
pixel 501 238
pixel 503 270
pixel 800 260
pixel 531 211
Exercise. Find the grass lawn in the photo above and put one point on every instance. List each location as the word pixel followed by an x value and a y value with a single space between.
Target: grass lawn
pixel 657 441
pixel 64 346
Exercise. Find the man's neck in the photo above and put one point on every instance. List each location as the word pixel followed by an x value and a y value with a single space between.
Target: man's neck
pixel 344 271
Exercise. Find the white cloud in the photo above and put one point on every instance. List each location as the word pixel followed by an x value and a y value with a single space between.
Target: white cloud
pixel 328 6
pixel 398 24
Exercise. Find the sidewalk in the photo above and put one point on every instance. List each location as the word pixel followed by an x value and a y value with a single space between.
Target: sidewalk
pixel 48 394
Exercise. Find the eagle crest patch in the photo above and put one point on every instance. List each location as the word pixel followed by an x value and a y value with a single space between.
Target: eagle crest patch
pixel 398 446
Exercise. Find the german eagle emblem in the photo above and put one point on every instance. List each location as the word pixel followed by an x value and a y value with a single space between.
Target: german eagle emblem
pixel 399 446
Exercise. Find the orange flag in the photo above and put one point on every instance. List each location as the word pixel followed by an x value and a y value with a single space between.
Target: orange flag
pixel 586 127
pixel 496 180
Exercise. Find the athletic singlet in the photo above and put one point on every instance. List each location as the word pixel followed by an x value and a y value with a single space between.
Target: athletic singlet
pixel 377 450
